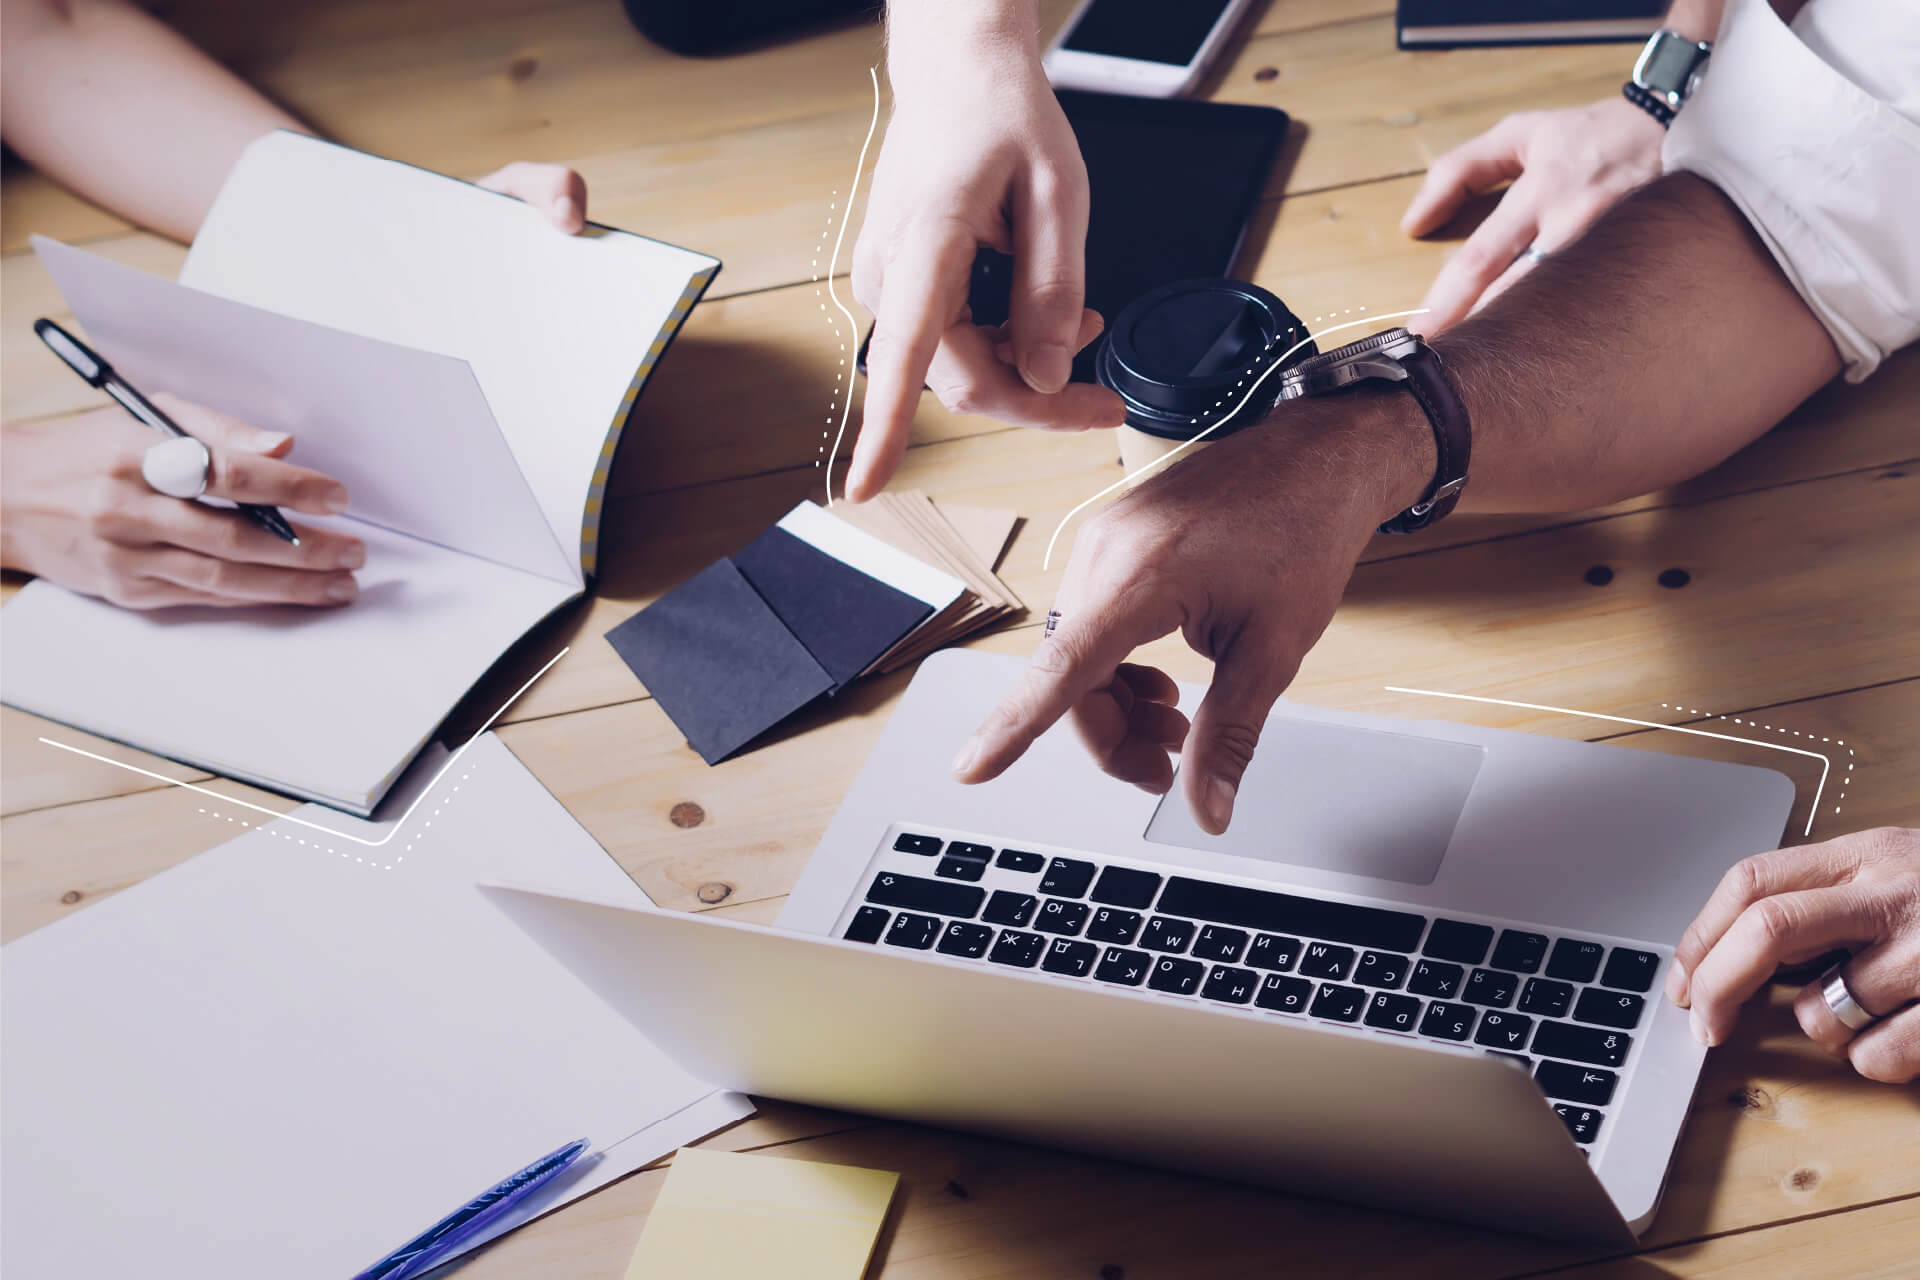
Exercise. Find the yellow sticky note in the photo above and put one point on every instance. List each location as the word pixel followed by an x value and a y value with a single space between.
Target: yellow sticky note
pixel 723 1216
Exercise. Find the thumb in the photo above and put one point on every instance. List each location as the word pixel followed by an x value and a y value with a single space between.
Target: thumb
pixel 1227 728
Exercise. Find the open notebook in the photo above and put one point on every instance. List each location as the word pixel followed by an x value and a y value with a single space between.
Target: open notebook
pixel 463 367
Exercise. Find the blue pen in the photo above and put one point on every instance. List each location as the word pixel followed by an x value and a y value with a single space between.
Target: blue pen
pixel 434 1245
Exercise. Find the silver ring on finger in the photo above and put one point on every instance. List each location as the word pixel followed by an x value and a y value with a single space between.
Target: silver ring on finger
pixel 1841 1002
pixel 177 467
pixel 1534 253
pixel 1053 620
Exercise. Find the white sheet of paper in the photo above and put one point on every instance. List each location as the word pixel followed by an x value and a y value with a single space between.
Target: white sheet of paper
pixel 555 326
pixel 407 432
pixel 327 703
pixel 276 1060
pixel 828 533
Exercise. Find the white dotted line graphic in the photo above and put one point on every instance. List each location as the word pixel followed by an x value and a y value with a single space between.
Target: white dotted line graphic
pixel 840 385
pixel 1846 775
pixel 303 842
pixel 844 384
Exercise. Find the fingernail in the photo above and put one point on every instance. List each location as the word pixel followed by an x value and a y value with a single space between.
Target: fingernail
pixel 335 500
pixel 342 590
pixel 1046 367
pixel 1217 805
pixel 268 441
pixel 1700 1026
pixel 566 212
pixel 352 557
pixel 1677 983
pixel 964 762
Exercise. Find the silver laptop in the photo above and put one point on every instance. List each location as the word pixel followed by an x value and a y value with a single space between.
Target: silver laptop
pixel 1421 970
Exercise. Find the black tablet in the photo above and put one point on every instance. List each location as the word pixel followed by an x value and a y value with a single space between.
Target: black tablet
pixel 1173 185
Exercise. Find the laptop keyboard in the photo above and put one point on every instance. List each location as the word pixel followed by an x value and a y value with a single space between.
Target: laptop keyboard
pixel 1563 1007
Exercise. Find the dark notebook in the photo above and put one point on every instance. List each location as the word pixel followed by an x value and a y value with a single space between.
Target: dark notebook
pixel 1447 24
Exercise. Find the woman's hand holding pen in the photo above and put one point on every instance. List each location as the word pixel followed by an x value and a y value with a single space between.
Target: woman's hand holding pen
pixel 76 510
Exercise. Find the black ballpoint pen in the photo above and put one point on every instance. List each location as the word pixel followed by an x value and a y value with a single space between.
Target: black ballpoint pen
pixel 98 373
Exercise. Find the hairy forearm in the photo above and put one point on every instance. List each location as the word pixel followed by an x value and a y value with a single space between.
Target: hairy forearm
pixel 112 103
pixel 1659 343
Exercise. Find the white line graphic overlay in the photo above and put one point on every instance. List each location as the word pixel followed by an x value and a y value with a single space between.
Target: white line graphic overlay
pixel 833 264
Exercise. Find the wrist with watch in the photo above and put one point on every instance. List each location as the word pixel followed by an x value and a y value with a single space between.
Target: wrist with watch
pixel 1667 71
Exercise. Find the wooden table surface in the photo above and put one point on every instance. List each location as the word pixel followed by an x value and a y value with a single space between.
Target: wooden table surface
pixel 1799 609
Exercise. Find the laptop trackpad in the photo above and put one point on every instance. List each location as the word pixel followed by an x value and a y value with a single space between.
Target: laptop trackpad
pixel 1363 801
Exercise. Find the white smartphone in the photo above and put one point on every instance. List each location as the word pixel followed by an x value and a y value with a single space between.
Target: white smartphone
pixel 1149 48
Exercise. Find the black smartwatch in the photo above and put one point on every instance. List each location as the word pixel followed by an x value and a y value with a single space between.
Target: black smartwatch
pixel 1665 74
pixel 1398 356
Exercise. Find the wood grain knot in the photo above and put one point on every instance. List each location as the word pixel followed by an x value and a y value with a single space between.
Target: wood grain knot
pixel 956 1190
pixel 72 896
pixel 1674 579
pixel 1113 1271
pixel 1599 576
pixel 1266 73
pixel 713 891
pixel 1803 1179
pixel 1755 1099
pixel 522 69
pixel 686 814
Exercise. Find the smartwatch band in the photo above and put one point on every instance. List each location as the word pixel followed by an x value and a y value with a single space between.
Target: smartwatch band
pixel 1453 440
pixel 1648 102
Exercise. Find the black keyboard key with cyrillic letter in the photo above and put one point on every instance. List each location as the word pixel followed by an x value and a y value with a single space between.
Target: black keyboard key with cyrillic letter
pixel 1609 1008
pixel 1020 860
pixel 1504 1030
pixel 1167 935
pixel 1058 915
pixel 867 925
pixel 1111 925
pixel 960 868
pixel 1574 960
pixel 1337 1003
pixel 1021 950
pixel 925 846
pixel 1179 977
pixel 1394 1013
pixel 916 894
pixel 1575 1084
pixel 914 931
pixel 1453 940
pixel 1597 1045
pixel 1520 951
pixel 1230 985
pixel 1071 958
pixel 1445 1020
pixel 1122 966
pixel 1283 994
pixel 1583 1122
pixel 1545 998
pixel 1323 961
pixel 1381 969
pixel 1126 887
pixel 1067 877
pixel 1007 907
pixel 1630 970
pixel 1286 913
pixel 1435 978
pixel 1219 943
pixel 1272 951
pixel 1490 987
pixel 960 938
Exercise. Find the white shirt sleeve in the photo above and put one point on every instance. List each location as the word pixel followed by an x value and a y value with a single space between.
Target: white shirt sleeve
pixel 1811 131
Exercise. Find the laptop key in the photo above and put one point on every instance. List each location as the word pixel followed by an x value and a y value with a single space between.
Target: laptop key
pixel 1058 915
pixel 1575 1084
pixel 1545 998
pixel 867 925
pixel 1219 943
pixel 917 894
pixel 1067 877
pixel 1583 1122
pixel 1630 970
pixel 1110 925
pixel 1230 985
pixel 1285 913
pixel 1020 860
pixel 1445 1020
pixel 1507 1031
pixel 1574 960
pixel 1520 951
pixel 1021 950
pixel 1609 1008
pixel 960 938
pixel 914 931
pixel 1520 1060
pixel 1490 987
pixel 1323 961
pixel 1283 994
pixel 1596 1045
pixel 1272 951
pixel 1010 908
pixel 1394 1013
pixel 1433 978
pixel 1126 887
pixel 960 868
pixel 1380 969
pixel 1071 958
pixel 926 846
pixel 1337 1003
pixel 1124 967
pixel 977 852
pixel 1179 977
pixel 1453 940
pixel 1164 934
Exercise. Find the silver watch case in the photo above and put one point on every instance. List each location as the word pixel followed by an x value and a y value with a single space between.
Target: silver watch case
pixel 1377 356
pixel 1670 66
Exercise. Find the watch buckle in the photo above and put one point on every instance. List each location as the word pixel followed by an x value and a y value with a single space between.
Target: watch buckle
pixel 1439 496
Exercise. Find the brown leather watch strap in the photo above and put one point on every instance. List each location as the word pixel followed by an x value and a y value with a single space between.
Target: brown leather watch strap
pixel 1453 440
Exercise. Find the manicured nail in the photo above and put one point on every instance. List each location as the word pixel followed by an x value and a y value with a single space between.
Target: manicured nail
pixel 268 441
pixel 1677 983
pixel 566 212
pixel 336 499
pixel 352 557
pixel 342 590
pixel 1700 1026
pixel 1046 367
pixel 964 762
pixel 1217 805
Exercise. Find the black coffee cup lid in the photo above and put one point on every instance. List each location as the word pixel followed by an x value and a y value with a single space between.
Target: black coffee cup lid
pixel 1183 356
